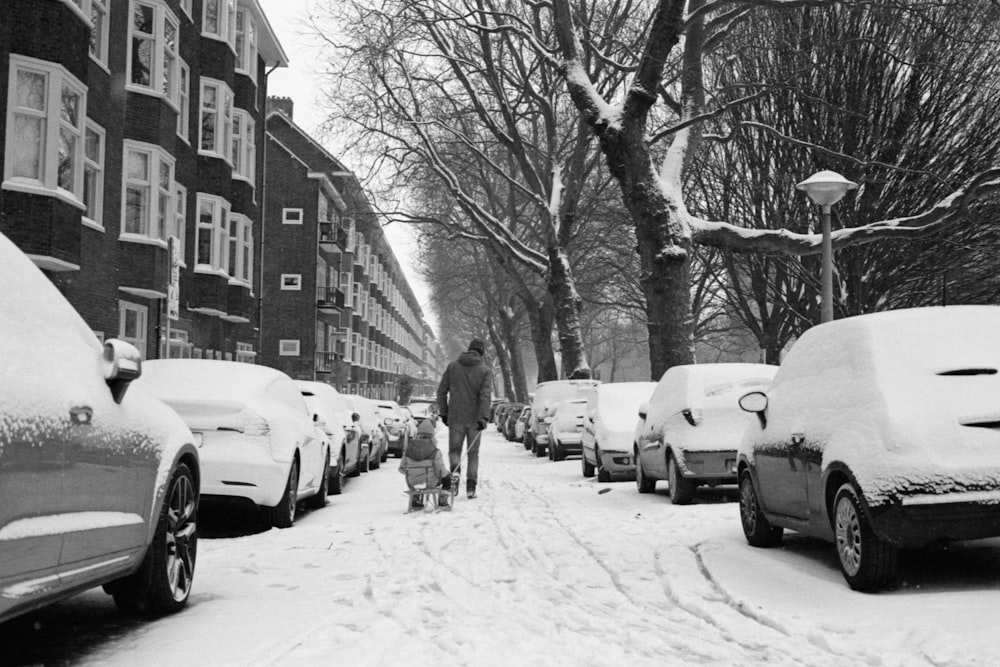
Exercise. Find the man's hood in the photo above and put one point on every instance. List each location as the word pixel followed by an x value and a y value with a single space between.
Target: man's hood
pixel 470 358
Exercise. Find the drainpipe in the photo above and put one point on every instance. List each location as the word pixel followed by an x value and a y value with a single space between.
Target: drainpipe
pixel 263 225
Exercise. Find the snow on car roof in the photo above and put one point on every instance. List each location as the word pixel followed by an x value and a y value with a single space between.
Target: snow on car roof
pixel 617 403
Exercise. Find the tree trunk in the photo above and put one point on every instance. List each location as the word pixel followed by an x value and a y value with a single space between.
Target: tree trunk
pixel 567 312
pixel 503 357
pixel 540 317
pixel 508 328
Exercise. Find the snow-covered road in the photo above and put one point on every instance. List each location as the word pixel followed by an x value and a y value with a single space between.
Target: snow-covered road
pixel 544 568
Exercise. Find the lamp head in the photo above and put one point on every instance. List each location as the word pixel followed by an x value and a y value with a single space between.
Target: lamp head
pixel 826 188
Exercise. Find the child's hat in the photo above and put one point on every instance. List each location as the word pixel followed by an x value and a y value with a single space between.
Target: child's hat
pixel 425 428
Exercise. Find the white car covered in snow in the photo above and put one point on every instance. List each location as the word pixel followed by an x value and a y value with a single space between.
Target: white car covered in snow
pixel 546 397
pixel 258 441
pixel 98 479
pixel 689 431
pixel 333 414
pixel 879 432
pixel 609 426
pixel 565 426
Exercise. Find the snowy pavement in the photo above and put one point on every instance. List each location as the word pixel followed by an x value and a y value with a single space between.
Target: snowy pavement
pixel 545 567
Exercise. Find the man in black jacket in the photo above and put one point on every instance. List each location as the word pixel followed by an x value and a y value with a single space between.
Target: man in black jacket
pixel 463 398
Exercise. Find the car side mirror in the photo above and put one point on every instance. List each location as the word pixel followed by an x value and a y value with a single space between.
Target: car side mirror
pixel 122 364
pixel 643 411
pixel 756 402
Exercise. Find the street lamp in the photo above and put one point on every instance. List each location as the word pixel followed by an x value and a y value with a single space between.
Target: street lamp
pixel 826 188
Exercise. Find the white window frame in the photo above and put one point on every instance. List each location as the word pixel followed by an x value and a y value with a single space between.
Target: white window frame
pixel 159 217
pixel 163 75
pixel 184 103
pixel 219 117
pixel 180 219
pixel 93 188
pixel 292 216
pixel 288 347
pixel 245 353
pixel 244 149
pixel 291 282
pixel 180 348
pixel 246 43
pixel 225 21
pixel 99 12
pixel 215 231
pixel 141 324
pixel 240 250
pixel 53 126
pixel 186 8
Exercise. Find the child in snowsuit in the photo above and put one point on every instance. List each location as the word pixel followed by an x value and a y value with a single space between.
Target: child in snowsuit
pixel 424 466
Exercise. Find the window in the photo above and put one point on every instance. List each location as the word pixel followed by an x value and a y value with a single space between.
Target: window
pixel 212 241
pixel 180 348
pixel 246 43
pixel 291 216
pixel 245 353
pixel 93 174
pixel 180 218
pixel 291 281
pixel 240 249
pixel 45 128
pixel 244 151
pixel 216 118
pixel 288 348
pixel 153 60
pixel 218 20
pixel 149 190
pixel 132 319
pixel 99 34
pixel 184 101
pixel 186 6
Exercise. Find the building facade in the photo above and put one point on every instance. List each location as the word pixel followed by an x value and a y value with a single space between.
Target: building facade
pixel 130 128
pixel 336 305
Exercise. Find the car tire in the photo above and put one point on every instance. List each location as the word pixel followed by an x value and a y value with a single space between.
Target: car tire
pixel 540 450
pixel 757 529
pixel 681 489
pixel 282 515
pixel 586 467
pixel 642 482
pixel 376 463
pixel 527 442
pixel 162 583
pixel 365 464
pixel 868 563
pixel 337 476
pixel 318 501
pixel 602 474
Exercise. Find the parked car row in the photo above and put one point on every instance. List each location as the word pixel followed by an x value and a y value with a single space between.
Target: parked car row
pixel 107 461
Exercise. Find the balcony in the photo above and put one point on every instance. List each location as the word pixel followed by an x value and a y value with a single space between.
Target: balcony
pixel 326 362
pixel 329 298
pixel 332 237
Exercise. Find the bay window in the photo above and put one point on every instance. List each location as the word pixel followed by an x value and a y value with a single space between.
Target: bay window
pixel 149 208
pixel 246 43
pixel 244 152
pixel 216 119
pixel 212 238
pixel 153 59
pixel 240 249
pixel 219 20
pixel 93 174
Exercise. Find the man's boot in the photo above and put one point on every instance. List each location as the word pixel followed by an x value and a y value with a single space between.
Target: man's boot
pixel 470 488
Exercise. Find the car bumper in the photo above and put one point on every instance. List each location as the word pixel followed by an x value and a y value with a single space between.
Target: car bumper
pixel 709 466
pixel 618 462
pixel 236 468
pixel 917 520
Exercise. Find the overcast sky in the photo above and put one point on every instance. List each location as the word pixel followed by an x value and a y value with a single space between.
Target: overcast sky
pixel 299 82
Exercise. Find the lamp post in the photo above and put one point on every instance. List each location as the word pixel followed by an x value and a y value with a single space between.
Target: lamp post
pixel 826 188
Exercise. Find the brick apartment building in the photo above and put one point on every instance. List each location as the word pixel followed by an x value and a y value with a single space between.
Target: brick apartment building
pixel 336 305
pixel 126 123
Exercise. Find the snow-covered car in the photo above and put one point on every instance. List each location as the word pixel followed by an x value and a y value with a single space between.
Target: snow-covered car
pixel 334 415
pixel 879 432
pixel 98 479
pixel 689 430
pixel 423 409
pixel 609 427
pixel 511 411
pixel 547 395
pixel 565 427
pixel 374 437
pixel 521 424
pixel 257 438
pixel 399 425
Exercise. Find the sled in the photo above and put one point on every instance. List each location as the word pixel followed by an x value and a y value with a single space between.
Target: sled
pixel 425 492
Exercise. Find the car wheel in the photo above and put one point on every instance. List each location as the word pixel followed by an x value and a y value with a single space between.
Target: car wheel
pixel 282 515
pixel 526 441
pixel 757 529
pixel 376 463
pixel 365 464
pixel 163 582
pixel 868 563
pixel 586 466
pixel 643 483
pixel 681 490
pixel 602 474
pixel 319 500
pixel 337 476
pixel 539 449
